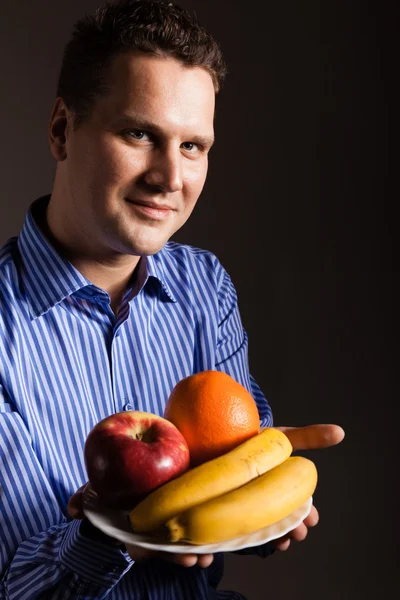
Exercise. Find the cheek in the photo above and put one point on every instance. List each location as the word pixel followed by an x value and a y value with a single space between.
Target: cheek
pixel 92 167
pixel 109 165
pixel 114 167
pixel 195 179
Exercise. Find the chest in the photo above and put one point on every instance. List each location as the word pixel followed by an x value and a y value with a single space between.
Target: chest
pixel 73 366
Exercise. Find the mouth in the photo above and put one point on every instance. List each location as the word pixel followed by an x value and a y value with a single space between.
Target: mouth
pixel 152 210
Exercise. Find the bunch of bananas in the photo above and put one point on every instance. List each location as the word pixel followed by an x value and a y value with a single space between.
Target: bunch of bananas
pixel 256 484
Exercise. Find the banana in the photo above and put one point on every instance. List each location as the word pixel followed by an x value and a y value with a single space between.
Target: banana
pixel 259 503
pixel 211 479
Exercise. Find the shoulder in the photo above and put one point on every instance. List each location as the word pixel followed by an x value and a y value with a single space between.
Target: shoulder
pixel 7 251
pixel 192 262
pixel 190 256
pixel 9 278
pixel 7 259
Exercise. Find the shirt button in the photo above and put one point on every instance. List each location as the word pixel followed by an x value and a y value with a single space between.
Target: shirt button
pixel 128 407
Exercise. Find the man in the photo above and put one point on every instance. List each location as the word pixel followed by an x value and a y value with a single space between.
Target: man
pixel 100 313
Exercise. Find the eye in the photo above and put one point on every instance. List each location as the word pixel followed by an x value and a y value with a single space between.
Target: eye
pixel 190 146
pixel 137 134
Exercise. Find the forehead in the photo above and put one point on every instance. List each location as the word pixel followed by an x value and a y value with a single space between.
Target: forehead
pixel 160 89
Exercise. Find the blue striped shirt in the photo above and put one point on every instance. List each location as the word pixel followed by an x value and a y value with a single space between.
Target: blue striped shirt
pixel 66 361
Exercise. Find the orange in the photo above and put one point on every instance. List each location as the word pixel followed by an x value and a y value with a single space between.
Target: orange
pixel 213 412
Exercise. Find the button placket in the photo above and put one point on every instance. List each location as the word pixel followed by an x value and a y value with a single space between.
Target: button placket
pixel 121 402
pixel 113 360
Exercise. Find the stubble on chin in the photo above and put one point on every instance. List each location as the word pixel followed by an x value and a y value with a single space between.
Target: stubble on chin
pixel 143 239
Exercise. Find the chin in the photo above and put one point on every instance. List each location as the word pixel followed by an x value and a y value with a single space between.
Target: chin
pixel 146 247
pixel 140 237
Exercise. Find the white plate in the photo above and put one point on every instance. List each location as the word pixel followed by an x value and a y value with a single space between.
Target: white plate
pixel 116 524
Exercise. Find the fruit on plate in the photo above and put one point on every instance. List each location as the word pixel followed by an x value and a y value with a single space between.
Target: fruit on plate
pixel 214 413
pixel 261 502
pixel 129 454
pixel 212 479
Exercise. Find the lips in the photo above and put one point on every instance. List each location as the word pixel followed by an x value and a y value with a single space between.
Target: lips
pixel 151 210
pixel 150 204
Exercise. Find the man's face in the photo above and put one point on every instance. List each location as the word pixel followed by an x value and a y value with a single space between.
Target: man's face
pixel 135 168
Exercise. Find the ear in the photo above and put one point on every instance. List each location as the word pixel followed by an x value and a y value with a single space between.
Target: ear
pixel 60 122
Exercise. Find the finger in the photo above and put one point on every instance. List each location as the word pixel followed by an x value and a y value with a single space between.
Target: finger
pixel 137 553
pixel 312 519
pixel 189 560
pixel 313 436
pixel 184 560
pixel 282 544
pixel 205 560
pixel 75 503
pixel 299 533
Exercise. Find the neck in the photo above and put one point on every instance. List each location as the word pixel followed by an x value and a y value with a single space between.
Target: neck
pixel 111 272
pixel 112 278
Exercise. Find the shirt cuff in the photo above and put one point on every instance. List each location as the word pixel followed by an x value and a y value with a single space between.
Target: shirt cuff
pixel 92 561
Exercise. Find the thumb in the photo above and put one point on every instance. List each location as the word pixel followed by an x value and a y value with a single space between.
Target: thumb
pixel 75 503
pixel 313 436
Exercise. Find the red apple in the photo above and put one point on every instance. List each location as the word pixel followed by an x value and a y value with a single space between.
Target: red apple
pixel 129 454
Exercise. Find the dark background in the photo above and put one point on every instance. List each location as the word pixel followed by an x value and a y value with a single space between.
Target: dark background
pixel 299 208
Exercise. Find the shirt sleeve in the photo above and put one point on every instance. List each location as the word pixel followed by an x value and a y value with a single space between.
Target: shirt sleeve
pixel 41 552
pixel 232 347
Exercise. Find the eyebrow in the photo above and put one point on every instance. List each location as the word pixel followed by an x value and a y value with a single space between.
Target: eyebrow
pixel 140 123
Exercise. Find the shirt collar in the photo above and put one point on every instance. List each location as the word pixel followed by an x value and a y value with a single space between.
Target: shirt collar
pixel 157 269
pixel 49 278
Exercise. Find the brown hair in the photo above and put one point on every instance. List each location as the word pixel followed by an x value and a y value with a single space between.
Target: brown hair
pixel 156 27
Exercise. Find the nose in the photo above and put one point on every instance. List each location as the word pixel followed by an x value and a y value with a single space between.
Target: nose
pixel 165 171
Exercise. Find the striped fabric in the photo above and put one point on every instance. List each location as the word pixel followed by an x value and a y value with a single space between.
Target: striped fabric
pixel 66 362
